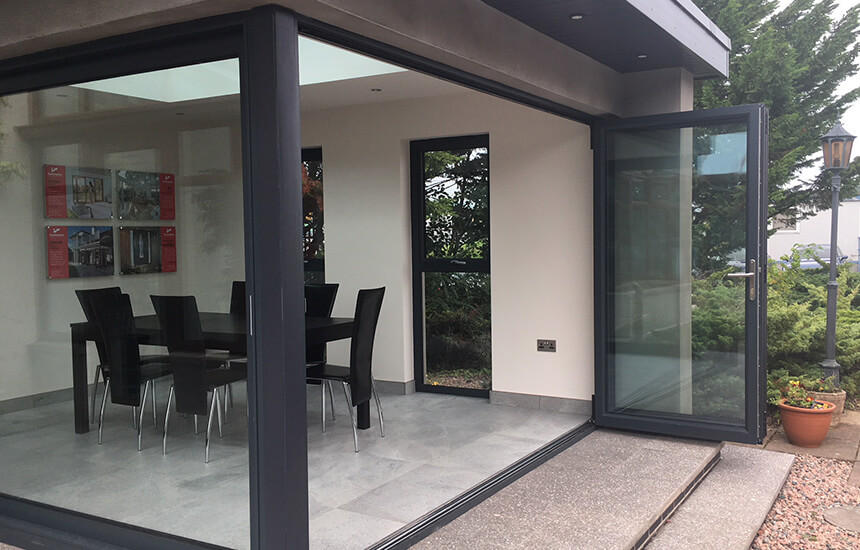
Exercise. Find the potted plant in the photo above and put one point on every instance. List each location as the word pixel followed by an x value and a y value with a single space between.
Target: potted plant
pixel 806 421
pixel 824 389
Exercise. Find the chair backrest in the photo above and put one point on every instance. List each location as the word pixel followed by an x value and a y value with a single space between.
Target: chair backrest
pixel 319 299
pixel 189 382
pixel 319 302
pixel 86 304
pixel 115 320
pixel 237 299
pixel 180 323
pixel 367 308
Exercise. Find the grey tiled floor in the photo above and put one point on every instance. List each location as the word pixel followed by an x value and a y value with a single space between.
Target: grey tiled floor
pixel 436 446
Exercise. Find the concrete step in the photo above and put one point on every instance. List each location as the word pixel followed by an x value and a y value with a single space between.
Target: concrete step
pixel 611 490
pixel 727 509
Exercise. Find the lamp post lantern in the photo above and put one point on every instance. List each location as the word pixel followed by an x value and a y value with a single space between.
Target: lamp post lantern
pixel 836 145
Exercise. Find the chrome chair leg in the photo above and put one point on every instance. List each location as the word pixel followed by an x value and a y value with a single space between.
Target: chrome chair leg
pixel 218 408
pixel 140 419
pixel 378 406
pixel 196 431
pixel 209 423
pixel 322 400
pixel 351 414
pixel 102 411
pixel 134 417
pixel 154 408
pixel 224 396
pixel 95 391
pixel 331 398
pixel 166 420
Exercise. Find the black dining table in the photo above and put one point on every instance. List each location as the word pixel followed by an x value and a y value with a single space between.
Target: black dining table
pixel 220 331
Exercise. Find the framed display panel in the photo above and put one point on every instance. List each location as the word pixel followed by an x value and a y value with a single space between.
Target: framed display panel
pixel 79 251
pixel 146 195
pixel 72 192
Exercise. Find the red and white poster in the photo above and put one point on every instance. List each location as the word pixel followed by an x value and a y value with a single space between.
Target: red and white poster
pixel 168 249
pixel 58 252
pixel 167 196
pixel 55 191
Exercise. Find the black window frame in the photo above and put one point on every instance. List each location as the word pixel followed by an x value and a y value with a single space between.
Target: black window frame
pixel 265 40
pixel 421 264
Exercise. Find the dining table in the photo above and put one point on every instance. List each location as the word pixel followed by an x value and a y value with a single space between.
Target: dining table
pixel 221 331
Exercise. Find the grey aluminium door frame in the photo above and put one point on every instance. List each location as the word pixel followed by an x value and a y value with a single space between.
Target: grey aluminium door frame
pixel 265 41
pixel 755 117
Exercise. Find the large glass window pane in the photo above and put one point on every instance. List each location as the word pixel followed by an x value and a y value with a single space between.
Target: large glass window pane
pixel 132 184
pixel 457 324
pixel 678 211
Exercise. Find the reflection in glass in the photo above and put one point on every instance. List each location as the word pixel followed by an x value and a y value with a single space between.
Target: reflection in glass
pixel 313 240
pixel 457 330
pixel 456 203
pixel 157 179
pixel 678 211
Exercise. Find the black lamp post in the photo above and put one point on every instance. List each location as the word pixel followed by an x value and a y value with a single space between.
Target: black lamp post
pixel 836 145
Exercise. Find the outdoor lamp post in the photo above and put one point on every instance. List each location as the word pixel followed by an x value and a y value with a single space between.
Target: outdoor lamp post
pixel 836 145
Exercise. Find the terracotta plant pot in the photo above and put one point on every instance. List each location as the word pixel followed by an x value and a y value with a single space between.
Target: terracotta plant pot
pixel 837 398
pixel 806 427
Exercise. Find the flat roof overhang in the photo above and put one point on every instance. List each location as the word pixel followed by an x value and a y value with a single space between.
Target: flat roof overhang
pixel 616 33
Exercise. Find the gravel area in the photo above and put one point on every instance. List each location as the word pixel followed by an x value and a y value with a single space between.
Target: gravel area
pixel 796 521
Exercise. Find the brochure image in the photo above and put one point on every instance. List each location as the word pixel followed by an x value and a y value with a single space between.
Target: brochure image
pixel 139 250
pixel 72 192
pixel 80 251
pixel 145 195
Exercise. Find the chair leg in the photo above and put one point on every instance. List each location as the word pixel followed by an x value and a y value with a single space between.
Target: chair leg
pixel 218 408
pixel 322 401
pixel 154 407
pixel 378 406
pixel 140 420
pixel 224 396
pixel 166 420
pixel 351 414
pixel 331 398
pixel 196 431
pixel 209 422
pixel 95 391
pixel 102 411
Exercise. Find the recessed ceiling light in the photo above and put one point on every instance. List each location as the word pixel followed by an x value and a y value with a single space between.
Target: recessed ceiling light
pixel 642 56
pixel 376 89
pixel 62 95
pixel 577 17
pixel 179 114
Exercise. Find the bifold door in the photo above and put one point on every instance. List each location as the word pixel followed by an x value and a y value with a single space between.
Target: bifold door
pixel 681 273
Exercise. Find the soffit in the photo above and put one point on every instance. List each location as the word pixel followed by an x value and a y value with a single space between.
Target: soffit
pixel 672 33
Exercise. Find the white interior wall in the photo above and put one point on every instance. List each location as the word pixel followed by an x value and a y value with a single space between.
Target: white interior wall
pixel 541 230
pixel 35 346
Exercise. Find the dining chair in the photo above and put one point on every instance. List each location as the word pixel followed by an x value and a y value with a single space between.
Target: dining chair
pixel 319 302
pixel 193 382
pixel 357 378
pixel 182 331
pixel 115 320
pixel 103 368
pixel 239 309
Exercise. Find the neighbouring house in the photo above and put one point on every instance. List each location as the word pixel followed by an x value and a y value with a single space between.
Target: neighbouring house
pixel 816 230
pixel 527 180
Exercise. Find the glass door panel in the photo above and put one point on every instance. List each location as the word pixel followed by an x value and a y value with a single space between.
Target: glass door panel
pixel 683 317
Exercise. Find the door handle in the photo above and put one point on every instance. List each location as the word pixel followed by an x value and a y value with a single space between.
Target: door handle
pixel 751 276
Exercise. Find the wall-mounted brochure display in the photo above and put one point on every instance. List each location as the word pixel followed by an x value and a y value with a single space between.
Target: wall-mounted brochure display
pixel 72 192
pixel 80 251
pixel 147 250
pixel 146 195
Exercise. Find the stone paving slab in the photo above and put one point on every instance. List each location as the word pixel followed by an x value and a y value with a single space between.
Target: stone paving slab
pixel 842 441
pixel 727 509
pixel 603 492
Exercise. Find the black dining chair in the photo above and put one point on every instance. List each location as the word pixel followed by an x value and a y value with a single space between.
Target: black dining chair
pixel 357 378
pixel 319 302
pixel 239 309
pixel 193 382
pixel 115 320
pixel 182 331
pixel 103 368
